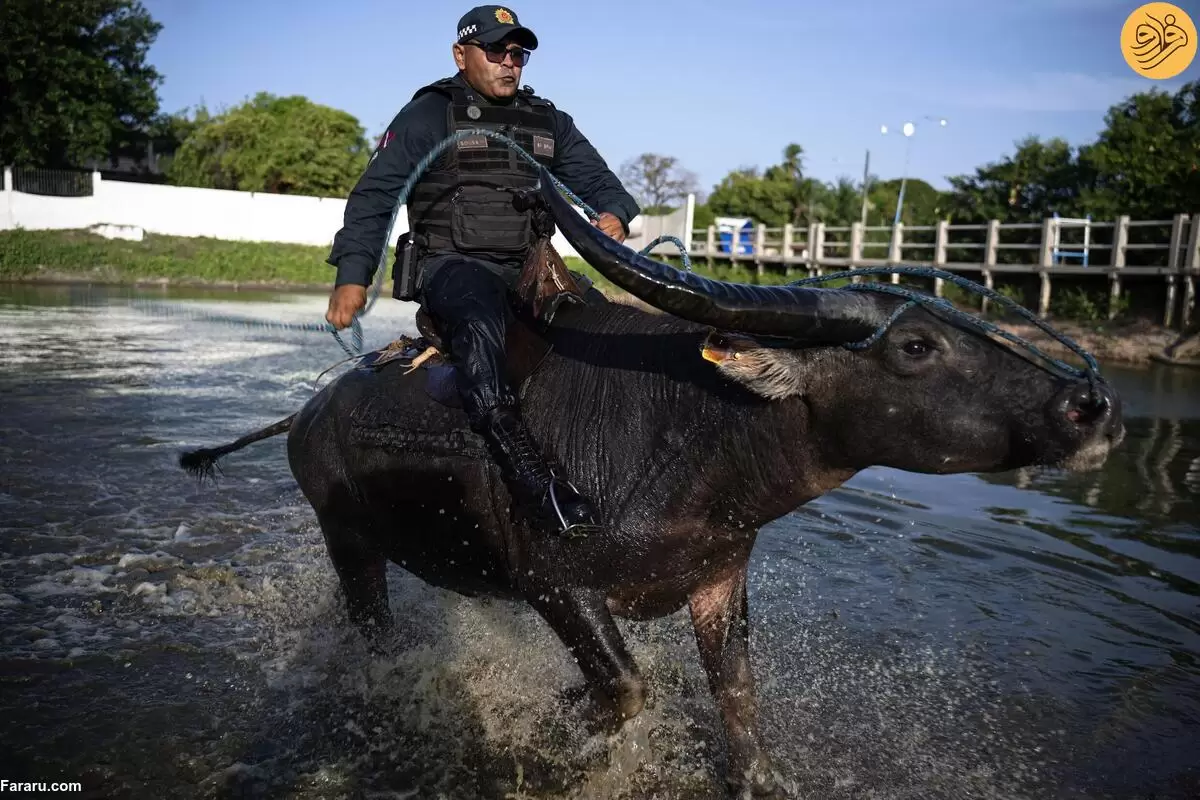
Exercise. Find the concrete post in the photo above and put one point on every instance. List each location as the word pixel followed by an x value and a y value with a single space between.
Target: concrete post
pixel 1044 263
pixel 789 247
pixel 896 248
pixel 991 247
pixel 939 254
pixel 1193 273
pixel 1174 267
pixel 817 246
pixel 1120 242
pixel 760 243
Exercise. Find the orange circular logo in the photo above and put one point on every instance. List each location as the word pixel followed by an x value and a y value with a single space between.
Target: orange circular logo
pixel 1158 40
pixel 503 16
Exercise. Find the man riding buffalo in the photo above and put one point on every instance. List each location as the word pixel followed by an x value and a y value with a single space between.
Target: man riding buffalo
pixel 692 426
pixel 472 224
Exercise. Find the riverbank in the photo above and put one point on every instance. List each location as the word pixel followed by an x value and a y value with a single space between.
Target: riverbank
pixel 79 256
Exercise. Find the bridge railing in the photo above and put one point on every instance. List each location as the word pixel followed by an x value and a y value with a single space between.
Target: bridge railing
pixel 1112 249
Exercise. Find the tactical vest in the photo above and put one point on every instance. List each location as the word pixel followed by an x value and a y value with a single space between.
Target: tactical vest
pixel 465 201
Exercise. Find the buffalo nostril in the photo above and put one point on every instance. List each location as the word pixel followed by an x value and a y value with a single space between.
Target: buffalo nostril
pixel 1087 409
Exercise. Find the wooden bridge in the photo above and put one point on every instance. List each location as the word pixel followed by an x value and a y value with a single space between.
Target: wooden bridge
pixel 1114 251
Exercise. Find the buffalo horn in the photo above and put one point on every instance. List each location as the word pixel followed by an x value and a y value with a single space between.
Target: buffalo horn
pixel 829 316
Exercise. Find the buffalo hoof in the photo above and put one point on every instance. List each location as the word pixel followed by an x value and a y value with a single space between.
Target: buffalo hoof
pixel 607 710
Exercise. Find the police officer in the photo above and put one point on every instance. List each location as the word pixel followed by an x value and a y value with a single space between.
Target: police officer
pixel 471 233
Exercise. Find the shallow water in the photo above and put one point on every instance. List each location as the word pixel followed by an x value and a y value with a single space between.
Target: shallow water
pixel 1025 635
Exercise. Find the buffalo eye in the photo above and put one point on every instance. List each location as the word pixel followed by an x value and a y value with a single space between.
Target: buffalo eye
pixel 917 348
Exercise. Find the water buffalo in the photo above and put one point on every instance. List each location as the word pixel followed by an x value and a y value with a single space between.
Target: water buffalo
pixel 692 429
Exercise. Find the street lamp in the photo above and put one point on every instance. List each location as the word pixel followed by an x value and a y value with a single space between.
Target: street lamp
pixel 908 130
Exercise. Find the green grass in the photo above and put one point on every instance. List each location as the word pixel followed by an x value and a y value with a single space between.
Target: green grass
pixel 33 255
pixel 67 254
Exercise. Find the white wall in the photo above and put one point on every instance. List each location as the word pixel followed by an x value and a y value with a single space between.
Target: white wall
pixel 244 216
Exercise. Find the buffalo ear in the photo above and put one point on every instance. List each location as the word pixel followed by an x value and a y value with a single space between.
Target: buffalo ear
pixel 770 372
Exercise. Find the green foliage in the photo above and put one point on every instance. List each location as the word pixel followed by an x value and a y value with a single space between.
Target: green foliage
pixel 1032 184
pixel 1146 162
pixel 746 193
pixel 74 82
pixel 958 296
pixel 782 194
pixel 30 254
pixel 1013 292
pixel 1084 305
pixel 923 204
pixel 285 145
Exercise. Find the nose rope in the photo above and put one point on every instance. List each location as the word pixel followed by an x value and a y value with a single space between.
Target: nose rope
pixel 1091 371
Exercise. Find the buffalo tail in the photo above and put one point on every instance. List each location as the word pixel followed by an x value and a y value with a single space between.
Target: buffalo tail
pixel 203 462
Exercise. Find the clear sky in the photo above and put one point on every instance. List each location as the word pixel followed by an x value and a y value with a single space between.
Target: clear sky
pixel 718 85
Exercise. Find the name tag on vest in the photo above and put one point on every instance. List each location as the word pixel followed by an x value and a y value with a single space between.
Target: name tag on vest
pixel 473 143
pixel 543 146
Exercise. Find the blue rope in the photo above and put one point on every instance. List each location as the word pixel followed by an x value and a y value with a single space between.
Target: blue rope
pixel 914 298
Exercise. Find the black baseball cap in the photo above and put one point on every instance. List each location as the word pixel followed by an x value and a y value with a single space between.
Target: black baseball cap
pixel 489 24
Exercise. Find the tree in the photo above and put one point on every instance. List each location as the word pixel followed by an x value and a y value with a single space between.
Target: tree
pixel 923 204
pixel 1041 178
pixel 286 145
pixel 657 181
pixel 73 79
pixel 746 193
pixel 843 202
pixel 1146 161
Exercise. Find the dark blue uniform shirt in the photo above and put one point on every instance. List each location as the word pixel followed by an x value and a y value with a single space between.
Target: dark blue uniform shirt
pixel 416 130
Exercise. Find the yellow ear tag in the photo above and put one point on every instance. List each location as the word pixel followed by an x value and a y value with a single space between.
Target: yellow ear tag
pixel 718 348
pixel 712 354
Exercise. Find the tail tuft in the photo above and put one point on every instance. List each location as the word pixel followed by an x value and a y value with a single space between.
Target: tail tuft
pixel 202 463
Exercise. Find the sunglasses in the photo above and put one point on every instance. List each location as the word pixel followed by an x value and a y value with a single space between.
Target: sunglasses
pixel 496 52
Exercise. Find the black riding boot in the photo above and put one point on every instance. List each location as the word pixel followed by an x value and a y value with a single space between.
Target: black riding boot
pixel 550 503
pixel 469 306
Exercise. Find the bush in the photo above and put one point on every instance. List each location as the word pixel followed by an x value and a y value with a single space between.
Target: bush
pixel 1081 305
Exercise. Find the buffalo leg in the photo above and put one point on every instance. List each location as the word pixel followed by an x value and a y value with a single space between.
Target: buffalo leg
pixel 362 573
pixel 720 618
pixel 582 621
